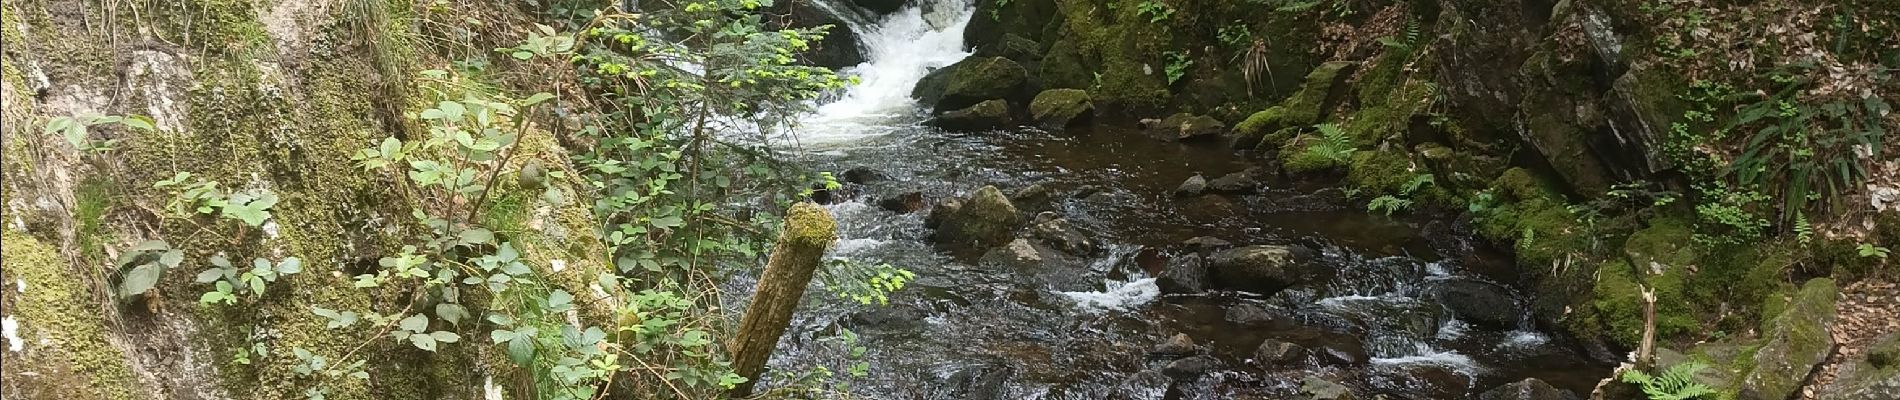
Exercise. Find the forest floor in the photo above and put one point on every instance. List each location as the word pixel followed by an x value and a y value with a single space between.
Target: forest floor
pixel 1866 311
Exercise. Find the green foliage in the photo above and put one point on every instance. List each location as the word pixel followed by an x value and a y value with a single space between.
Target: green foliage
pixel 77 130
pixel 1868 250
pixel 1178 65
pixel 143 265
pixel 1675 383
pixel 192 196
pixel 1235 34
pixel 1155 10
pixel 1388 204
pixel 1333 145
pixel 228 281
pixel 1407 41
pixel 864 284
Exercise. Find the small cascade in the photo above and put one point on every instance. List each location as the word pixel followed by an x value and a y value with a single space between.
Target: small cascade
pixel 900 48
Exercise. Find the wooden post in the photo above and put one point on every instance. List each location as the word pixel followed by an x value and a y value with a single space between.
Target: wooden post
pixel 809 232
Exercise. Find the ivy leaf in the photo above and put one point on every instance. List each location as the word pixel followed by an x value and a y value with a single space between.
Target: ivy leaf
pixel 140 279
pixel 451 312
pixel 424 342
pixel 289 266
pixel 415 323
pixel 171 258
pixel 139 122
pixel 451 110
pixel 476 236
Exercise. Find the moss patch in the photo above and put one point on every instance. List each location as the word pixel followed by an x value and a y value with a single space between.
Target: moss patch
pixel 65 334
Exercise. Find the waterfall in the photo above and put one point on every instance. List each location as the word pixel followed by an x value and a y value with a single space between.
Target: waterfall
pixel 900 48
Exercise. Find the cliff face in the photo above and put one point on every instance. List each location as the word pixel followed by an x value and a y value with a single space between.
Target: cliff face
pixel 260 96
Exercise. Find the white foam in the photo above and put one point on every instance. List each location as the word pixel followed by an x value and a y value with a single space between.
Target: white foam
pixel 1450 359
pixel 1121 298
pixel 902 48
pixel 1452 329
pixel 1524 339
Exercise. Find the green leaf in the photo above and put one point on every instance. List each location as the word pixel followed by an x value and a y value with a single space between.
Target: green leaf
pixel 140 279
pixel 537 98
pixel 476 236
pixel 139 122
pixel 415 323
pixel 290 265
pixel 445 336
pixel 521 349
pixel 560 300
pixel 210 275
pixel 451 312
pixel 432 114
pixel 451 110
pixel 424 342
pixel 171 258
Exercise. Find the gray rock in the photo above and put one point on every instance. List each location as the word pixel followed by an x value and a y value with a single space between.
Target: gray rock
pixel 1527 389
pixel 1793 343
pixel 1058 233
pixel 1193 186
pixel 1191 368
pixel 1234 183
pixel 1033 198
pixel 1184 126
pixel 1183 275
pixel 1262 269
pixel 1061 108
pixel 1018 253
pixel 984 220
pixel 1482 303
pixel 986 115
pixel 1180 345
pixel 1274 353
pixel 1144 385
pixel 1207 244
pixel 1315 388
pixel 904 203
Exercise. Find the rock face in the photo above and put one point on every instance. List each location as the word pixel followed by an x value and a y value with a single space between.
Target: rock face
pixel 1483 303
pixel 985 219
pixel 1057 109
pixel 1184 126
pixel 1306 107
pixel 1261 269
pixel 881 6
pixel 971 81
pixel 1527 389
pixel 1793 343
pixel 1183 275
pixel 1874 376
pixel 987 115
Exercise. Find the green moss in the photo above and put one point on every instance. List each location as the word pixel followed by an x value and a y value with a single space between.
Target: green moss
pixel 1305 107
pixel 1297 158
pixel 1666 241
pixel 1057 108
pixel 1064 67
pixel 1618 302
pixel 93 198
pixel 68 343
pixel 1380 172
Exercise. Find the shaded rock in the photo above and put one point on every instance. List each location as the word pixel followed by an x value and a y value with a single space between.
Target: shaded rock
pixel 1193 186
pixel 1207 244
pixel 1184 126
pixel 1057 109
pixel 1793 343
pixel 1032 198
pixel 1144 385
pixel 1426 381
pixel 1014 47
pixel 971 81
pixel 987 115
pixel 1483 303
pixel 1018 253
pixel 839 48
pixel 1261 269
pixel 943 209
pixel 1274 353
pixel 1874 376
pixel 1191 368
pixel 1058 233
pixel 1234 183
pixel 1179 345
pixel 862 175
pixel 881 6
pixel 893 318
pixel 1315 388
pixel 1183 275
pixel 985 219
pixel 986 381
pixel 1322 89
pixel 1527 389
pixel 904 203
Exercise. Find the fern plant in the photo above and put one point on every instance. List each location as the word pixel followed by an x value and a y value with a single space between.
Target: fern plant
pixel 1674 383
pixel 1334 145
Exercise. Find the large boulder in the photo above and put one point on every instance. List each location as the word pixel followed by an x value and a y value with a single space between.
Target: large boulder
pixel 986 219
pixel 971 81
pixel 839 48
pixel 1017 254
pixel 1793 343
pixel 1193 186
pixel 1306 107
pixel 1185 126
pixel 1261 269
pixel 1527 389
pixel 1483 303
pixel 1234 183
pixel 1057 109
pixel 984 116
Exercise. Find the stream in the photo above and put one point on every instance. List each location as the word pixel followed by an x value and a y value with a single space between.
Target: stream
pixel 1086 327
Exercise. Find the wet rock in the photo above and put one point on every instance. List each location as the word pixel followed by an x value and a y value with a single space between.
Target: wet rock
pixel 1793 343
pixel 1527 389
pixel 987 115
pixel 1303 108
pixel 979 382
pixel 881 6
pixel 1018 253
pixel 1482 303
pixel 1207 244
pixel 1261 269
pixel 888 319
pixel 985 219
pixel 1274 353
pixel 1315 388
pixel 1426 381
pixel 1191 368
pixel 1180 345
pixel 1034 197
pixel 1184 126
pixel 862 175
pixel 976 80
pixel 1058 233
pixel 1183 275
pixel 1058 109
pixel 1144 385
pixel 838 50
pixel 1253 315
pixel 1234 183
pixel 1347 352
pixel 904 203
pixel 1193 186
pixel 943 209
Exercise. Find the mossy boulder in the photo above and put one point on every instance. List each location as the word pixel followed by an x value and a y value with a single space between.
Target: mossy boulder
pixel 1793 343
pixel 1014 47
pixel 1306 107
pixel 1185 126
pixel 978 79
pixel 986 219
pixel 65 349
pixel 987 115
pixel 1065 67
pixel 994 21
pixel 1061 108
pixel 1874 375
pixel 1262 269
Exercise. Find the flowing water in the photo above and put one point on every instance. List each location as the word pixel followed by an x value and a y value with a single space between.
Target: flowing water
pixel 1082 327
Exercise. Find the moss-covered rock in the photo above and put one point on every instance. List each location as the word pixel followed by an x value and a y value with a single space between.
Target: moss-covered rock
pixel 1061 108
pixel 64 349
pixel 1065 67
pixel 976 80
pixel 1185 126
pixel 1793 343
pixel 1305 107
pixel 987 115
pixel 986 219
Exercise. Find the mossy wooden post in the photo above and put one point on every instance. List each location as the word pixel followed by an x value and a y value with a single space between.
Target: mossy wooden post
pixel 808 233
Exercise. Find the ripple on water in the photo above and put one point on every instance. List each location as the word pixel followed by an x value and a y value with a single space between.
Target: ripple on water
pixel 1125 297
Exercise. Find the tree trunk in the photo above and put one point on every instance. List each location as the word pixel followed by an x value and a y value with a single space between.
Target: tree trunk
pixel 809 232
